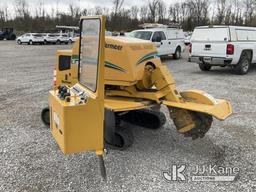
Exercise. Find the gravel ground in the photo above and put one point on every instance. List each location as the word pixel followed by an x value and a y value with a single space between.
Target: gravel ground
pixel 32 161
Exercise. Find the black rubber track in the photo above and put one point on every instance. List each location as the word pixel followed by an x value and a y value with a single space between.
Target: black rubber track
pixel 45 116
pixel 123 138
pixel 147 118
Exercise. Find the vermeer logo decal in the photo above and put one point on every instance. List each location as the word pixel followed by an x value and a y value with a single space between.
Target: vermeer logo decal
pixel 112 46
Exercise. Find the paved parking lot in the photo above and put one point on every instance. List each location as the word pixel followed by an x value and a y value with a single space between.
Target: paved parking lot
pixel 30 160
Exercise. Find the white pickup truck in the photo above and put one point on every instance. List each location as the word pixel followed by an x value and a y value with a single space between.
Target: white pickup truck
pixel 232 46
pixel 168 41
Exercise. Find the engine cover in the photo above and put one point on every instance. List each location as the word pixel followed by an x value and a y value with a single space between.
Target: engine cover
pixel 125 59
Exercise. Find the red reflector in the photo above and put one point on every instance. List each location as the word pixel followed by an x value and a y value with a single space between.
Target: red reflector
pixel 190 47
pixel 54 77
pixel 230 49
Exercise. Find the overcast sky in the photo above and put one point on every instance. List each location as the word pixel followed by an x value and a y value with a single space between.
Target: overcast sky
pixel 63 4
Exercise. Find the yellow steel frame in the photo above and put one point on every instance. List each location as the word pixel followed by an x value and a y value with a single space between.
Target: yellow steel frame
pixel 77 126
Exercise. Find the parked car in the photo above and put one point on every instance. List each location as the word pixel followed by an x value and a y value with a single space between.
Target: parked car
pixel 62 38
pixel 31 38
pixel 72 39
pixel 223 46
pixel 50 38
pixel 7 33
pixel 108 33
pixel 168 41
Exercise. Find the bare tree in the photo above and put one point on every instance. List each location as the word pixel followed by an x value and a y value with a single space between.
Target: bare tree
pixel 175 11
pixel 134 12
pixel 237 13
pixel 39 8
pixel 52 13
pixel 153 5
pixel 117 5
pixel 98 10
pixel 105 11
pixel 161 11
pixel 21 8
pixel 84 12
pixel 249 11
pixel 2 17
pixel 57 9
pixel 221 10
pixel 189 14
pixel 71 9
pixel 199 11
pixel 213 9
pixel 144 13
pixel 6 10
pixel 228 15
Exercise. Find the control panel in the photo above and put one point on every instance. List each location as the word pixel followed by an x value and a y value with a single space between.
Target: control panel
pixel 74 95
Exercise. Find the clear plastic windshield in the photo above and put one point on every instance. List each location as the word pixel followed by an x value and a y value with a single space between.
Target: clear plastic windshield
pixel 90 37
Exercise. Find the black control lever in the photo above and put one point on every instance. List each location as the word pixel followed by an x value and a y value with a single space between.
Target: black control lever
pixel 63 92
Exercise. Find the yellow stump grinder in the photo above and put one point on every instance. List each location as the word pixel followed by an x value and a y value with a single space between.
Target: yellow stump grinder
pixel 103 82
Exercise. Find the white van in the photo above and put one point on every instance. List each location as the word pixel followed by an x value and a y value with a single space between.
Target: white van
pixel 168 41
pixel 233 46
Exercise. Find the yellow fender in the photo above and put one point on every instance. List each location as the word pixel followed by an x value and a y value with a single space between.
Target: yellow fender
pixel 200 101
